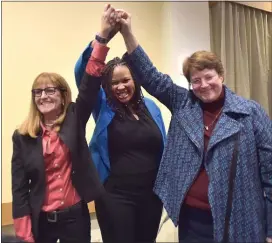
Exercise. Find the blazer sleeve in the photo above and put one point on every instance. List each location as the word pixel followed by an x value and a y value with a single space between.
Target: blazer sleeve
pixel 79 71
pixel 81 64
pixel 263 134
pixel 20 181
pixel 87 97
pixel 154 82
pixel 23 228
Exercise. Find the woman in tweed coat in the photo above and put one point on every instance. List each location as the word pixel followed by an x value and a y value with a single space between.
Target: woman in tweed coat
pixel 207 121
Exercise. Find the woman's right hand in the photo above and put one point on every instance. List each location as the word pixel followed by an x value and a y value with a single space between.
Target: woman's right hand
pixel 109 22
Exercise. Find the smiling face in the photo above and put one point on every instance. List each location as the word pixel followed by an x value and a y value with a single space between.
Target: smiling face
pixel 123 87
pixel 205 73
pixel 207 84
pixel 48 100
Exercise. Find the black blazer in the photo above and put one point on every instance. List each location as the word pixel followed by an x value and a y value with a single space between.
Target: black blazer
pixel 28 171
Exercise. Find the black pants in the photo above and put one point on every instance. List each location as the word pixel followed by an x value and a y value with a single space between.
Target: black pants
pixel 72 226
pixel 195 225
pixel 129 213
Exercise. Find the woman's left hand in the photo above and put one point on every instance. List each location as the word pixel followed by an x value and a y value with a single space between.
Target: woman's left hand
pixel 269 240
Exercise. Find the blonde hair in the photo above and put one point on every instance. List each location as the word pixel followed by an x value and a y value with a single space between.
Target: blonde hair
pixel 31 125
pixel 201 60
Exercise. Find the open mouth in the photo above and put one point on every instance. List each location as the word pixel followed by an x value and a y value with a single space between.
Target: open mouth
pixel 122 95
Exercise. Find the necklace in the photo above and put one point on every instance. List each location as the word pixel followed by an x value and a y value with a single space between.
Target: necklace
pixel 207 126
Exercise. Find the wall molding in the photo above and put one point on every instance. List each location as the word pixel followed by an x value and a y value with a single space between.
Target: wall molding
pixel 7 212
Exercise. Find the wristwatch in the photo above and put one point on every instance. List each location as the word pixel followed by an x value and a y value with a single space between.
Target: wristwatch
pixel 101 39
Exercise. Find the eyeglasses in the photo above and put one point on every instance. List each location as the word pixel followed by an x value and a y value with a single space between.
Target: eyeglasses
pixel 197 82
pixel 48 91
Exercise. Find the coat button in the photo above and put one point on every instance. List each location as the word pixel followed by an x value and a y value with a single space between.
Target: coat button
pixel 73 172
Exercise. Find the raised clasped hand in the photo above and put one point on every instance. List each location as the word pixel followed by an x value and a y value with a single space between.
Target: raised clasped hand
pixel 114 20
pixel 110 22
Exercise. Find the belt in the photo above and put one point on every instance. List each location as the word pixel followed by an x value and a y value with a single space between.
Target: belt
pixel 58 215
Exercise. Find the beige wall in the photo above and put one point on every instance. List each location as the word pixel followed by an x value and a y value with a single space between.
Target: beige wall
pixel 185 29
pixel 49 36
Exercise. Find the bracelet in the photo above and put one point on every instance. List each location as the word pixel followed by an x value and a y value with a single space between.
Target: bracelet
pixel 101 40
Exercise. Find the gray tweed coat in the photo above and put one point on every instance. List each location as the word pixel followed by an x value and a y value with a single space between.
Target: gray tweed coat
pixel 251 217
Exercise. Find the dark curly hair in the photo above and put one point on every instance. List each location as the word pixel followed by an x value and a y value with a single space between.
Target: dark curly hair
pixel 137 101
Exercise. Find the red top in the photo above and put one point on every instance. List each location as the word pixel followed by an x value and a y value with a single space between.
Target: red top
pixel 197 196
pixel 59 191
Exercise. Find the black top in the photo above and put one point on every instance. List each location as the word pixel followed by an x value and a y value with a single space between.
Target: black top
pixel 135 146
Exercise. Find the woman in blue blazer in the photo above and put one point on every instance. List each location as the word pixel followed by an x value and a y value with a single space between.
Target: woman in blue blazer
pixel 126 147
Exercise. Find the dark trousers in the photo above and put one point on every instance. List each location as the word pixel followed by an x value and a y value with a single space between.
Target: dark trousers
pixel 195 225
pixel 128 214
pixel 72 225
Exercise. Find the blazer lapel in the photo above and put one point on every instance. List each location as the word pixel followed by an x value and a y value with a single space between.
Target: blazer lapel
pixel 36 153
pixel 228 124
pixel 104 119
pixel 225 127
pixel 69 137
pixel 154 111
pixel 191 120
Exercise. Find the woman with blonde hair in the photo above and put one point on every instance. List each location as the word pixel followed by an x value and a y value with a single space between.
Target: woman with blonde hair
pixel 53 175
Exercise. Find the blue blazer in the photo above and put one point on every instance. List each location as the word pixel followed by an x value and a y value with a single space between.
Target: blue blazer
pixel 251 216
pixel 103 116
